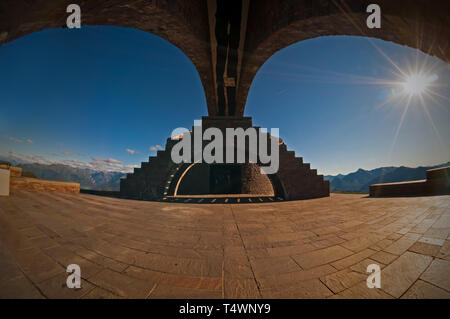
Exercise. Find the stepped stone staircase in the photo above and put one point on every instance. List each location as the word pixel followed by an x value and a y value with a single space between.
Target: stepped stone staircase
pixel 157 178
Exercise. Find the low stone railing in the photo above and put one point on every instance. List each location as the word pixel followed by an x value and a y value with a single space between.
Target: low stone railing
pixel 35 184
pixel 11 178
pixel 437 183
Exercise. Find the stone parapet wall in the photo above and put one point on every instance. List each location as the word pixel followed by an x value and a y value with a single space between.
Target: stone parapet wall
pixel 34 184
pixel 15 171
pixel 4 181
pixel 437 183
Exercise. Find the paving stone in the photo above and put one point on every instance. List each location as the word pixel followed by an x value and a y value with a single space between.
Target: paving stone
pixel 241 288
pixel 192 267
pixel 321 256
pixel 38 266
pixel 361 291
pixel 56 288
pixel 402 244
pixel 141 249
pixel 384 257
pixel 353 259
pixel 263 267
pixel 144 274
pixel 311 289
pixel 341 280
pixel 397 277
pixel 424 290
pixel 165 292
pixel 288 278
pixel 425 249
pixel 444 253
pixel 361 267
pixel 437 233
pixel 290 250
pixel 362 242
pixel 382 244
pixel 19 288
pixel 432 241
pixel 122 285
pixel 99 293
pixel 438 274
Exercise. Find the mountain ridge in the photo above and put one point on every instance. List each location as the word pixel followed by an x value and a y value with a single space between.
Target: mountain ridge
pixel 88 179
pixel 355 182
pixel 360 180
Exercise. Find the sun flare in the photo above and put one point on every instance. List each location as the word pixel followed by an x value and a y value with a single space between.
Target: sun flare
pixel 417 84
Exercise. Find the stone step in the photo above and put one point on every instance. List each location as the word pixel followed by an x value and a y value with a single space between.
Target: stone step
pixel 283 148
pixel 287 155
pixel 300 160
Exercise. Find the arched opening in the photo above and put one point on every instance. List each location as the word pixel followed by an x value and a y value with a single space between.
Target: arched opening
pixel 183 24
pixel 350 103
pixel 417 25
pixel 224 179
pixel 92 104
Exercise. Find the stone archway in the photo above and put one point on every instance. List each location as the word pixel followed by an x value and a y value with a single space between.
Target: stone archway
pixel 266 26
pixel 184 23
pixel 195 179
pixel 417 24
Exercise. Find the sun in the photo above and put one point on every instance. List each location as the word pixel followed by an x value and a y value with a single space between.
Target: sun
pixel 417 84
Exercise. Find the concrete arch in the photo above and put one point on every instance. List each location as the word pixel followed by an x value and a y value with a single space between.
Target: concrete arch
pixel 184 23
pixel 417 24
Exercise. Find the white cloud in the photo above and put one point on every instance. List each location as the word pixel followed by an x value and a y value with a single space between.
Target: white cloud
pixel 21 140
pixel 108 164
pixel 107 161
pixel 77 164
pixel 96 164
pixel 155 148
pixel 17 140
pixel 130 151
pixel 21 158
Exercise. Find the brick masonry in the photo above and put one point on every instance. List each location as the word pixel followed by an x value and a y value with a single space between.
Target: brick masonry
pixel 158 177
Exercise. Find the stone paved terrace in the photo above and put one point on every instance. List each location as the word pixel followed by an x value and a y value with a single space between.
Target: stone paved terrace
pixel 304 249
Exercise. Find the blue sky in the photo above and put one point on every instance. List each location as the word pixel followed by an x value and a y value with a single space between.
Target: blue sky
pixel 108 97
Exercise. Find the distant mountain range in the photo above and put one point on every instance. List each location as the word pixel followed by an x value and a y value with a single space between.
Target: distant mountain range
pixel 88 179
pixel 356 182
pixel 359 181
